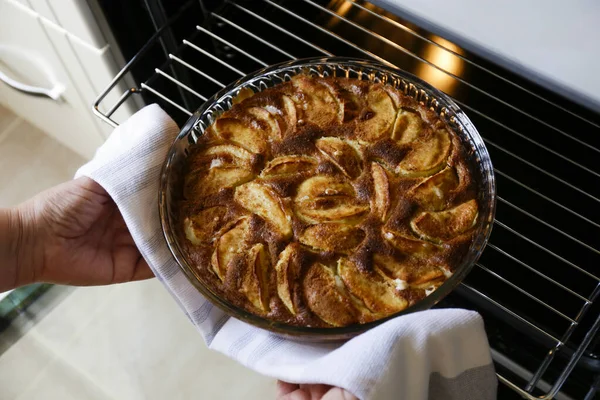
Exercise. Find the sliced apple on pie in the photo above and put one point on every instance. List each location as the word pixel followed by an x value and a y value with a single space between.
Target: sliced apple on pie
pixel 203 227
pixel 409 272
pixel 288 271
pixel 341 154
pixel 377 292
pixel 425 274
pixel 393 268
pixel 351 99
pixel 408 244
pixel 280 109
pixel 262 201
pixel 290 115
pixel 316 102
pixel 231 244
pixel 216 168
pixel 438 226
pixel 246 132
pixel 255 279
pixel 201 184
pixel 407 127
pixel 326 298
pixel 326 198
pixel 289 165
pixel 334 237
pixel 380 201
pixel 227 156
pixel 376 120
pixel 432 194
pixel 427 155
pixel 266 121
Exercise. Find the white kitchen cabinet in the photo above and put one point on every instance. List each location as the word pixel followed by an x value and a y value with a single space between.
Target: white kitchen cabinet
pixel 76 18
pixel 28 56
pixel 36 50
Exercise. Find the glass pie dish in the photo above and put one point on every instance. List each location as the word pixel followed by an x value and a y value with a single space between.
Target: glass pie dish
pixel 171 186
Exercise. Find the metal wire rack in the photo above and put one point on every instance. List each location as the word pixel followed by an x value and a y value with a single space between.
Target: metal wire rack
pixel 539 275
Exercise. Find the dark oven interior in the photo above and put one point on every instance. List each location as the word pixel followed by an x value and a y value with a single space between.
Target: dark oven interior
pixel 537 282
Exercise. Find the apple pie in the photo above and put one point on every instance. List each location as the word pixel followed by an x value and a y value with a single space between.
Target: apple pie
pixel 326 202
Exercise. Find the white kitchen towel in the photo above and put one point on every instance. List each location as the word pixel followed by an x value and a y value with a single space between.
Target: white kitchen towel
pixel 437 354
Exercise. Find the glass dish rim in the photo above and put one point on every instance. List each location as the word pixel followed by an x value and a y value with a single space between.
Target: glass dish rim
pixel 333 333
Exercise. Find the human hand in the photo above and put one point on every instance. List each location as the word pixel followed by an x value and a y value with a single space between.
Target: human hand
pixel 74 234
pixel 291 391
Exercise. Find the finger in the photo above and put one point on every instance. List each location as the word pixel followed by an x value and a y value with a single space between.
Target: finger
pixel 284 388
pixel 315 389
pixel 337 393
pixel 142 271
pixel 91 185
pixel 298 394
pixel 122 237
pixel 119 222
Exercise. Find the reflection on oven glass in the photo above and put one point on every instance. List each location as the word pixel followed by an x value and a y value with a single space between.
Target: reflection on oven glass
pixel 341 8
pixel 447 63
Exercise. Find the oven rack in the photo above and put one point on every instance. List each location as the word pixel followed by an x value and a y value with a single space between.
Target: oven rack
pixel 539 274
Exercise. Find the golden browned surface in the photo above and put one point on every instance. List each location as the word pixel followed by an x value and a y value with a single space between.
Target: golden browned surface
pixel 327 202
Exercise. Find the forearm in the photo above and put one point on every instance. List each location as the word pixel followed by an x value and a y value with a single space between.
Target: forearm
pixel 15 250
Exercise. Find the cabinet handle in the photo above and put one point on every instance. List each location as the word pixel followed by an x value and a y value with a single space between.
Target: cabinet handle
pixel 53 93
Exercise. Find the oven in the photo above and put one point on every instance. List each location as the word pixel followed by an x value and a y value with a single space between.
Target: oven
pixel 537 283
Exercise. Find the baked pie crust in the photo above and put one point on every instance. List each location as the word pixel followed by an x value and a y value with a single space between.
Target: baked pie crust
pixel 327 202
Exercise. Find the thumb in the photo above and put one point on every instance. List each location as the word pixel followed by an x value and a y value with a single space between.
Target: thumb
pixel 337 393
